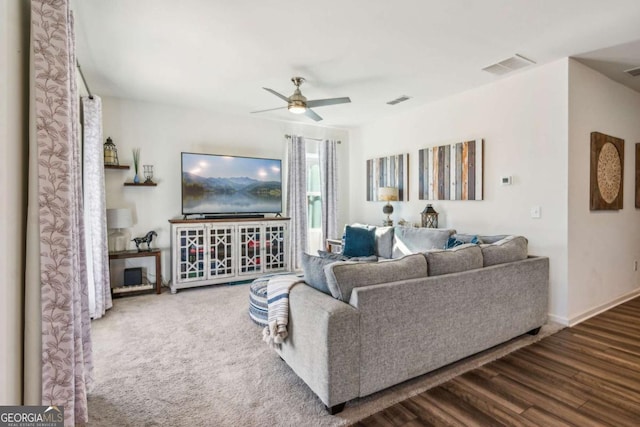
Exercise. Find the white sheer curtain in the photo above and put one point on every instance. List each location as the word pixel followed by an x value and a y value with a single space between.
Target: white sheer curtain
pixel 56 212
pixel 297 197
pixel 95 208
pixel 329 188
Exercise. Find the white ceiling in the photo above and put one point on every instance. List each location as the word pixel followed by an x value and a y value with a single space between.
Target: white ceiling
pixel 218 54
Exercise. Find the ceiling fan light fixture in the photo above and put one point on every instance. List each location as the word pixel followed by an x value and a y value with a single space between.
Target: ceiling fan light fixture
pixel 297 107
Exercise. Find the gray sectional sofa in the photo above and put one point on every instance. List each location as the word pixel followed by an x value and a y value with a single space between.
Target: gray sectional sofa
pixel 421 308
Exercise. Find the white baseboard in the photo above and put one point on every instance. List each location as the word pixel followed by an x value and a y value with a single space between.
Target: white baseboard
pixel 557 319
pixel 603 307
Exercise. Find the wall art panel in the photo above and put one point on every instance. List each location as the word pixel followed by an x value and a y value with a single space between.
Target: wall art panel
pixel 451 172
pixel 390 171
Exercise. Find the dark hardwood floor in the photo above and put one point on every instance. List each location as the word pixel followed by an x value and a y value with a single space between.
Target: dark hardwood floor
pixel 588 375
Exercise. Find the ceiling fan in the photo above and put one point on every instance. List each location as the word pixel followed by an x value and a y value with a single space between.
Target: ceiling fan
pixel 298 104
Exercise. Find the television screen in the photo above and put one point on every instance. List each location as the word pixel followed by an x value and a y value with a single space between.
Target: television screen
pixel 216 184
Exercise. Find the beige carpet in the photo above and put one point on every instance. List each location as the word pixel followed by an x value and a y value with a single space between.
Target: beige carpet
pixel 196 359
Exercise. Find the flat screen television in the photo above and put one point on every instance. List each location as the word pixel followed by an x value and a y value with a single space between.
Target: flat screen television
pixel 218 185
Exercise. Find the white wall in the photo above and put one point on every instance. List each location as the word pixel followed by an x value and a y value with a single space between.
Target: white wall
pixel 13 139
pixel 162 132
pixel 603 245
pixel 523 121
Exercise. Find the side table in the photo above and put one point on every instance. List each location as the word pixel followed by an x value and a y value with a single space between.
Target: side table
pixel 135 290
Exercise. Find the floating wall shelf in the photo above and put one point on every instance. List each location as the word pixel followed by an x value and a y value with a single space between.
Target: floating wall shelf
pixel 116 166
pixel 141 184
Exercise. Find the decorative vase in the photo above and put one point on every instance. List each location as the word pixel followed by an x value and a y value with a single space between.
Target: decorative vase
pixel 136 179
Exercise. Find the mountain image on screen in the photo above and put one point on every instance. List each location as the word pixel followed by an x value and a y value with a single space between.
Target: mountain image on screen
pixel 197 185
pixel 231 194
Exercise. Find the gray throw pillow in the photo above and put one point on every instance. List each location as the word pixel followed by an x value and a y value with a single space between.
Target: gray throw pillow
pixel 384 242
pixel 509 249
pixel 465 257
pixel 343 277
pixel 410 240
pixel 313 267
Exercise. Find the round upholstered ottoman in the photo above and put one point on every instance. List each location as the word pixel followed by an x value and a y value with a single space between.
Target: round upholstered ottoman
pixel 258 310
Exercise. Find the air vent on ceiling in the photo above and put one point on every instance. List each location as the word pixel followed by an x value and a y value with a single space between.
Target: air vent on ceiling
pixel 399 100
pixel 633 72
pixel 507 65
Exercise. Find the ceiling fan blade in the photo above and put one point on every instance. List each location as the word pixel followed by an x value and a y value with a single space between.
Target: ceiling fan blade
pixel 279 95
pixel 312 114
pixel 270 109
pixel 329 101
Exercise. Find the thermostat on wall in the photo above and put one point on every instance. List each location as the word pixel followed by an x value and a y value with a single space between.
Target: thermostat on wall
pixel 505 180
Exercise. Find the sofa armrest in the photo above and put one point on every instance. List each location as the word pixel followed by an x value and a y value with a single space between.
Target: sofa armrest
pixel 323 346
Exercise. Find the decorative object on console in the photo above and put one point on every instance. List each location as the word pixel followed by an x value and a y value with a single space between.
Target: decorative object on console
pixel 136 164
pixel 429 217
pixel 148 173
pixel 110 153
pixel 119 220
pixel 387 194
pixel 451 172
pixel 607 172
pixel 391 171
pixel 147 238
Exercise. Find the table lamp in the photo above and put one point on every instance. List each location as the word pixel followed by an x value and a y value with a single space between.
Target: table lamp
pixel 387 194
pixel 119 220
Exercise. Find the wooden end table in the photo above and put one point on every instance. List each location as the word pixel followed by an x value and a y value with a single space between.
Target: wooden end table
pixel 134 290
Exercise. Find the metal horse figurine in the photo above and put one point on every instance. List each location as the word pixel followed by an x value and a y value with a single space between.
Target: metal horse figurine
pixel 146 239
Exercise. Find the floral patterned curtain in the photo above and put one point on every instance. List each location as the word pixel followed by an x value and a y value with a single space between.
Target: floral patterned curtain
pixel 66 334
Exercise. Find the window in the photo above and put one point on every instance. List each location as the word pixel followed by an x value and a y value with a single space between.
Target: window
pixel 314 203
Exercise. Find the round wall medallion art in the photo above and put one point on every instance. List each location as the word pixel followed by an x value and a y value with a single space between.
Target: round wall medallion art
pixel 607 171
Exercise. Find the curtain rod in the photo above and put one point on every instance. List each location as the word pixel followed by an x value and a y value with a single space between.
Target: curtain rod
pixel 313 139
pixel 84 80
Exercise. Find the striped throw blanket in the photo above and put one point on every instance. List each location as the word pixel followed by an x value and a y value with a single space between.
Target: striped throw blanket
pixel 278 303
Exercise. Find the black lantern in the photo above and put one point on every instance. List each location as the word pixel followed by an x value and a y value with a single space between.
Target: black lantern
pixel 110 153
pixel 429 217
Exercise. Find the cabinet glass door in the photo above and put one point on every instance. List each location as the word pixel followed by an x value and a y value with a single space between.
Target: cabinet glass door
pixel 191 265
pixel 221 251
pixel 249 244
pixel 275 250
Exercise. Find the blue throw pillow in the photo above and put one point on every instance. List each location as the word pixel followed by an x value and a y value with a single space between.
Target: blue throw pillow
pixel 453 242
pixel 359 241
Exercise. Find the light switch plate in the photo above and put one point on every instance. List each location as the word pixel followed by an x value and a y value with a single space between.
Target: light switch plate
pixel 535 212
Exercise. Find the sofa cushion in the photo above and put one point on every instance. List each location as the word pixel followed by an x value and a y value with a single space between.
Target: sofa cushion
pixel 313 267
pixel 409 240
pixel 509 249
pixel 359 240
pixel 467 256
pixel 343 277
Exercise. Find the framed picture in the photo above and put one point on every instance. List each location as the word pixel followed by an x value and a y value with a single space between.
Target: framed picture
pixel 607 172
pixel 451 172
pixel 390 171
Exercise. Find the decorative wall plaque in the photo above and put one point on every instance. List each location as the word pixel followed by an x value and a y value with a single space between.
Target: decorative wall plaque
pixel 607 172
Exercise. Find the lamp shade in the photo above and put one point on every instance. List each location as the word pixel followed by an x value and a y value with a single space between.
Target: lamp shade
pixel 119 218
pixel 388 194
